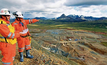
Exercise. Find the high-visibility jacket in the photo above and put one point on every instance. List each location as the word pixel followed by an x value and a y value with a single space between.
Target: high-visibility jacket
pixel 22 26
pixel 7 33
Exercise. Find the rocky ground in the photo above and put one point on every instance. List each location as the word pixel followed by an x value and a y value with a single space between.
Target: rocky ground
pixel 77 45
pixel 65 47
pixel 40 58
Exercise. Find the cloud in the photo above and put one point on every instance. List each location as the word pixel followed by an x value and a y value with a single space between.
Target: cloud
pixel 93 10
pixel 54 8
pixel 85 2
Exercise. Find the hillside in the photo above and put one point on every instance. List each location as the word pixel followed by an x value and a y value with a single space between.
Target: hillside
pixel 80 46
pixel 94 26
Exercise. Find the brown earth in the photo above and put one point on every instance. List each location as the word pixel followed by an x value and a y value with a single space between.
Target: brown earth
pixel 80 46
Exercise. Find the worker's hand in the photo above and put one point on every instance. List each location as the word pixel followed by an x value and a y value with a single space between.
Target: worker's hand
pixel 34 20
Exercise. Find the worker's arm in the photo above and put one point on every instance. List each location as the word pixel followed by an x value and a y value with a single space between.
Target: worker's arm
pixel 31 21
pixel 4 30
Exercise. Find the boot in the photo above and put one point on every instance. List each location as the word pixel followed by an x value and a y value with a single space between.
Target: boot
pixel 28 54
pixel 21 56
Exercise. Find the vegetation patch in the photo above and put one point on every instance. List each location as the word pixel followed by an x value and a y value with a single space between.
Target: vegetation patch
pixel 104 43
pixel 33 25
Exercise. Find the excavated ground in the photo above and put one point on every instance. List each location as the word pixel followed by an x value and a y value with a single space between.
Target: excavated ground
pixel 79 46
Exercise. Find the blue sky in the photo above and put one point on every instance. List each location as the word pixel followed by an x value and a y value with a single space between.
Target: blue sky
pixel 54 8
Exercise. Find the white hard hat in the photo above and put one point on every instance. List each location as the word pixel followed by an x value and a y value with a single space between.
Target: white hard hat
pixel 5 12
pixel 18 14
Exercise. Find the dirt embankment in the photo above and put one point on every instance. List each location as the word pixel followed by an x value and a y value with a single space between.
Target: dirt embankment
pixel 80 46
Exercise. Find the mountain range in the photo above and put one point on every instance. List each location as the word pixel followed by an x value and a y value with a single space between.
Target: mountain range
pixel 78 18
pixel 69 18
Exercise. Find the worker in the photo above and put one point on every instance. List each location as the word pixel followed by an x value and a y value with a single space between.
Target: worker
pixel 24 40
pixel 8 37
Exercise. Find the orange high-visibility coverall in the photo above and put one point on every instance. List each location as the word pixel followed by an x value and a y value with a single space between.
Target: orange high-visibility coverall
pixel 24 40
pixel 8 50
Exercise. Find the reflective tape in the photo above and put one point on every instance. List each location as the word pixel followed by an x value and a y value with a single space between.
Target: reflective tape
pixel 9 34
pixel 15 23
pixel 6 63
pixel 2 37
pixel 21 48
pixel 13 58
pixel 13 35
pixel 29 20
pixel 27 46
pixel 8 24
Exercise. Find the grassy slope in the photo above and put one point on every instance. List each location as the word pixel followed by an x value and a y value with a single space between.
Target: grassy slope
pixel 97 26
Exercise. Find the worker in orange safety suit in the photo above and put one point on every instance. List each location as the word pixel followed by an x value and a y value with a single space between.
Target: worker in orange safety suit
pixel 24 40
pixel 8 37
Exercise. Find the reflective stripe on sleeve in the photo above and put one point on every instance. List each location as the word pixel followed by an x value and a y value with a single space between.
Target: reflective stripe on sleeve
pixel 13 35
pixel 9 35
pixel 29 21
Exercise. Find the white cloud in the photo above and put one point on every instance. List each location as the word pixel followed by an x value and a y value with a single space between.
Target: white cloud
pixel 54 8
pixel 94 10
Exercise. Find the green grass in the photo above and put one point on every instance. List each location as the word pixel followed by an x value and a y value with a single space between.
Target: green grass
pixel 105 35
pixel 95 26
pixel 65 26
pixel 104 43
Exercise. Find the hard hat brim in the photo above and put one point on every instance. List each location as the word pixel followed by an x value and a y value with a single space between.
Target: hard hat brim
pixel 19 16
pixel 4 14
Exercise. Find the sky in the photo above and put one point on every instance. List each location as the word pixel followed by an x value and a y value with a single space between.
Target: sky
pixel 54 8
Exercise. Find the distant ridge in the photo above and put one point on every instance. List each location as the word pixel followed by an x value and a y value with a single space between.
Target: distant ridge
pixel 69 18
pixel 80 17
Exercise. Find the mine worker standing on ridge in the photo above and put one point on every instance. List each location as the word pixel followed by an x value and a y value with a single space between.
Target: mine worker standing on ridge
pixel 24 40
pixel 8 37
